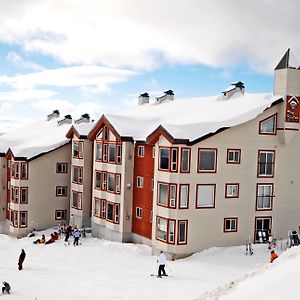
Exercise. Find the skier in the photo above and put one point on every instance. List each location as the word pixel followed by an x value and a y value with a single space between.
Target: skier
pixel 6 287
pixel 41 240
pixel 273 256
pixel 162 263
pixel 76 235
pixel 21 259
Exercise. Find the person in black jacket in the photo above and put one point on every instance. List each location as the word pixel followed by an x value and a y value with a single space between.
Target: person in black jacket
pixel 6 287
pixel 21 259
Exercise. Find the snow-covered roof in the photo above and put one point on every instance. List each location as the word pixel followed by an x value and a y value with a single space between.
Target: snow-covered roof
pixel 34 139
pixel 83 129
pixel 191 118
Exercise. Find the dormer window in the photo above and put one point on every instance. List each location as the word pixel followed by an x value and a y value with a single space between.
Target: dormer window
pixel 268 126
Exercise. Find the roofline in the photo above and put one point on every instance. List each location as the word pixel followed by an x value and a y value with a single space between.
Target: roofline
pixel 73 131
pixel 166 134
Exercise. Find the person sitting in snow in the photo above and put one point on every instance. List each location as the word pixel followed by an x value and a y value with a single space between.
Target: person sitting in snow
pixel 32 233
pixel 41 240
pixel 273 256
pixel 6 287
pixel 162 263
pixel 51 240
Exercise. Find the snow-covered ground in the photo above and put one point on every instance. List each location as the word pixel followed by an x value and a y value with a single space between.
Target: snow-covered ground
pixel 100 269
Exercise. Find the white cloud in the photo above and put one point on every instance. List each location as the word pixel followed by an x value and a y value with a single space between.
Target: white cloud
pixel 143 34
pixel 78 76
pixel 18 61
pixel 25 94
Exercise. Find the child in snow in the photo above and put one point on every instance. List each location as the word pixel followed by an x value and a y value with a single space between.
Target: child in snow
pixel 273 256
pixel 76 235
pixel 162 263
pixel 51 240
pixel 41 240
pixel 6 287
pixel 32 233
pixel 21 259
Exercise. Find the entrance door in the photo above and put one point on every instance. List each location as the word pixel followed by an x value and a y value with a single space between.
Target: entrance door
pixel 262 229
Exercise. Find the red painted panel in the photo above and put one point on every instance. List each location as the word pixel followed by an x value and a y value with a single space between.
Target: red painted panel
pixel 292 109
pixel 143 197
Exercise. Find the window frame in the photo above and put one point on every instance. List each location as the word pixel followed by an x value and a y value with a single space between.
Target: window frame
pixel 140 182
pixel 260 175
pixel 171 156
pixel 183 149
pixel 226 190
pixel 270 196
pixel 167 240
pixel 274 132
pixel 80 146
pixel 63 166
pixel 168 205
pixel 231 229
pixel 26 170
pixel 59 191
pixel 24 188
pixel 215 151
pixel 179 242
pixel 214 196
pixel 138 212
pixel 233 161
pixel 63 213
pixel 141 151
pixel 78 200
pixel 25 213
pixel 79 171
pixel 188 196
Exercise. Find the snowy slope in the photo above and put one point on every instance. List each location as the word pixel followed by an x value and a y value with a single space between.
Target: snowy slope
pixel 100 269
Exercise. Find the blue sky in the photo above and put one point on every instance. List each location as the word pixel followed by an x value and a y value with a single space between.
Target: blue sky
pixel 97 56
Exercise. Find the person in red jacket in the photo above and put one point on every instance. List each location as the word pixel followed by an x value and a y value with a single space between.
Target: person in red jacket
pixel 273 256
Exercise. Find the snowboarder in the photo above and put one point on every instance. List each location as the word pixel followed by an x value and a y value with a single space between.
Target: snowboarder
pixel 21 259
pixel 162 263
pixel 76 235
pixel 273 256
pixel 41 240
pixel 6 287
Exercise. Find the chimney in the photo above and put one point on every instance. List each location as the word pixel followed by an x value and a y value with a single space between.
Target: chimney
pixel 143 98
pixel 55 114
pixel 66 120
pixel 85 118
pixel 169 95
pixel 235 87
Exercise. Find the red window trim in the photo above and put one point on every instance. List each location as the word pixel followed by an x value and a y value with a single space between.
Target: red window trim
pixel 61 163
pixel 186 231
pixel 198 160
pixel 78 181
pixel 170 159
pixel 20 196
pixel 205 207
pixel 106 186
pixel 275 125
pixel 261 217
pixel 238 192
pixel 80 154
pixel 117 143
pixel 181 162
pixel 22 164
pixel 169 194
pixel 188 195
pixel 16 220
pixel 61 186
pixel 26 214
pixel 236 224
pixel 258 154
pixel 272 197
pixel 94 214
pixel 17 167
pixel 77 193
pixel 168 230
pixel 234 162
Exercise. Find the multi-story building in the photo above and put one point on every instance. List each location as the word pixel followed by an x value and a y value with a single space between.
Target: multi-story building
pixel 185 175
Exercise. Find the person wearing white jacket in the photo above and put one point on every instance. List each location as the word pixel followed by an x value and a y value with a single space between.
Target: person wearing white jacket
pixel 162 263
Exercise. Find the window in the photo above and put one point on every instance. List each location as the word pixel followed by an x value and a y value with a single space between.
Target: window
pixel 233 156
pixel 12 170
pixel 164 158
pixel 205 196
pixel 117 213
pixel 140 182
pixel 207 160
pixel 111 182
pixel 103 209
pixel 232 190
pixel 77 174
pixel 230 225
pixel 266 163
pixel 77 149
pixel 112 153
pixel 98 180
pixel 60 215
pixel 23 219
pixel 264 196
pixel 110 212
pixel 17 170
pixel 76 199
pixel 118 183
pixel 105 133
pixel 182 231
pixel 268 126
pixel 104 178
pixel 185 160
pixel 171 230
pixel 23 195
pixel 161 232
pixel 105 152
pixel 16 194
pixel 141 151
pixel 153 152
pixel 173 192
pixel 119 154
pixel 61 167
pixel 174 159
pixel 97 207
pixel 167 194
pixel 139 212
pixel 24 170
pixel 12 194
pixel 184 196
pixel 61 191
pixel 14 218
pixel 98 151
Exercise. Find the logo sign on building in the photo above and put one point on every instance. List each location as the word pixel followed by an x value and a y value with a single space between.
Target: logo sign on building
pixel 292 109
